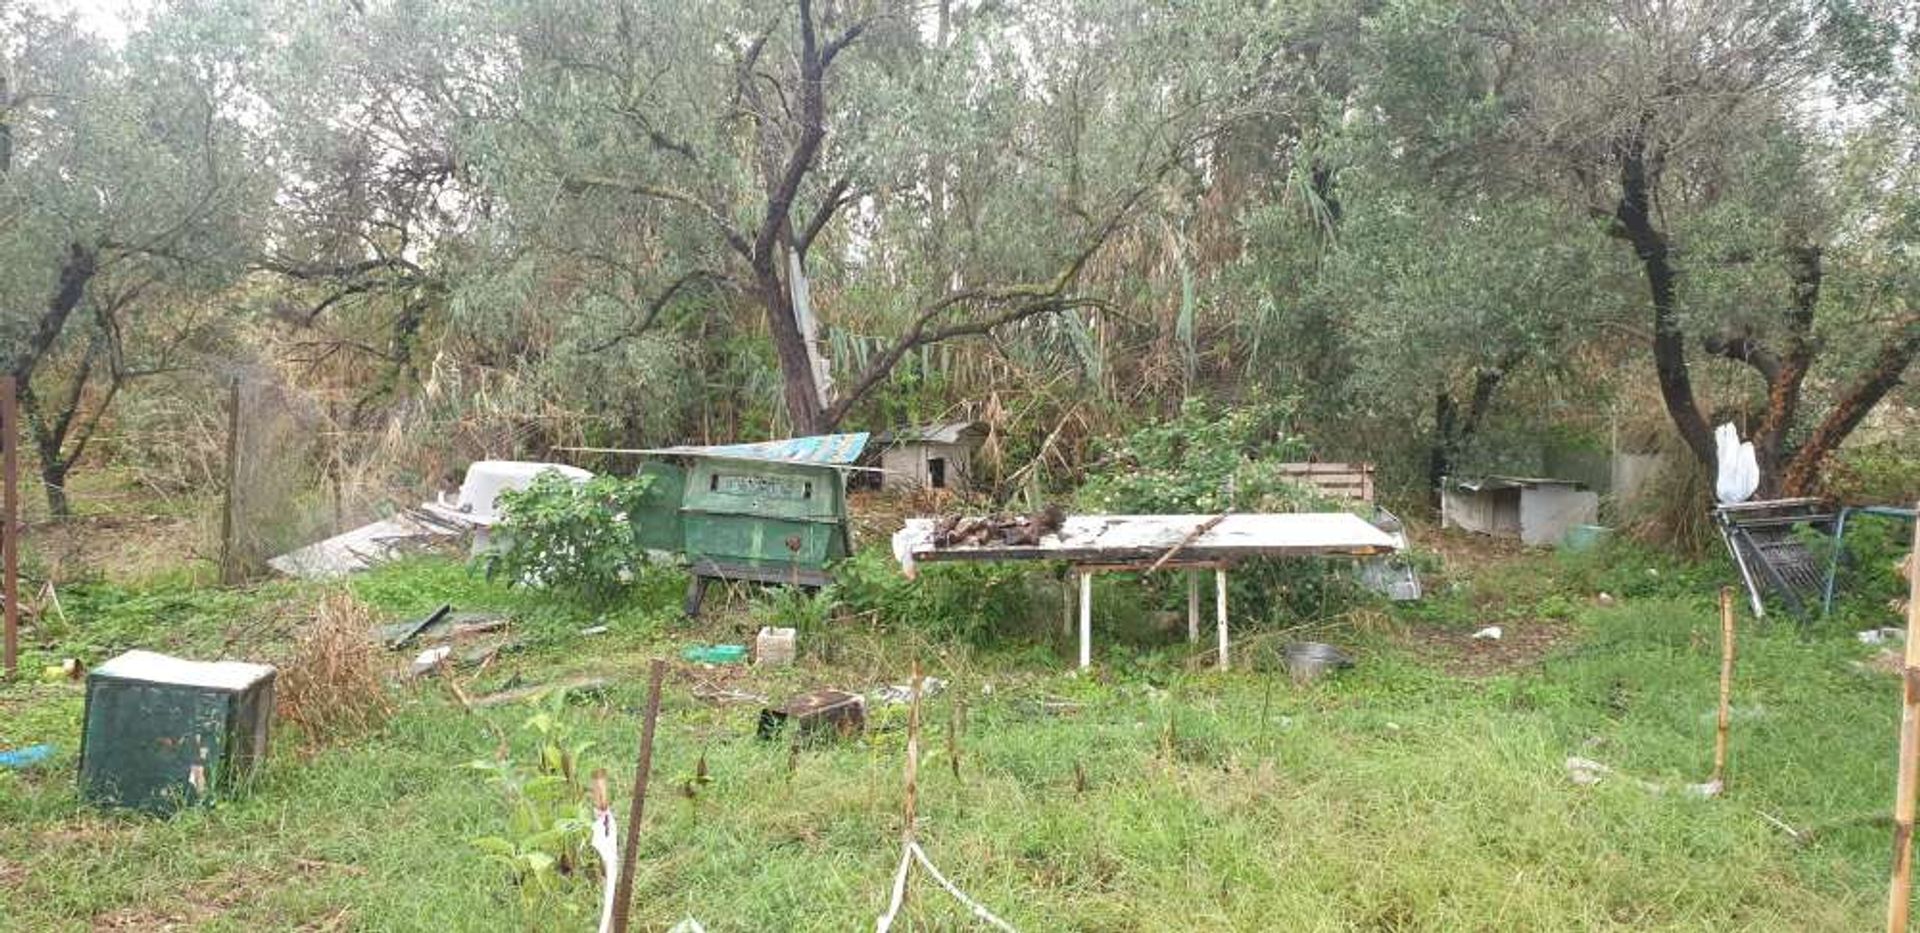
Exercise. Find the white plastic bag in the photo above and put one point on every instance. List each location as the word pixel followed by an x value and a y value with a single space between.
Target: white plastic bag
pixel 1739 473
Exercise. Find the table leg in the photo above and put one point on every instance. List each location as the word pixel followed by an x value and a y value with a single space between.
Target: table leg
pixel 1193 606
pixel 1066 608
pixel 1220 611
pixel 1086 619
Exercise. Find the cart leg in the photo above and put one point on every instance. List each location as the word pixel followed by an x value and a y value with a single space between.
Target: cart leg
pixel 1193 606
pixel 1220 611
pixel 1086 620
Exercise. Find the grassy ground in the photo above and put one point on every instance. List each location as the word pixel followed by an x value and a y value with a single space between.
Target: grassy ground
pixel 1423 790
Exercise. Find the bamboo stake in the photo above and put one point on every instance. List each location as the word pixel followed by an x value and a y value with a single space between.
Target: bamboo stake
pixel 1903 798
pixel 1718 781
pixel 907 842
pixel 623 892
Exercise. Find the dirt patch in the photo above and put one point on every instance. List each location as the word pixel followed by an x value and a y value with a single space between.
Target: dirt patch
pixel 12 875
pixel 1520 645
pixel 123 547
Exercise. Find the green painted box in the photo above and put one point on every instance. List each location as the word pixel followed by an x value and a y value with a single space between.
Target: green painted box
pixel 657 524
pixel 776 522
pixel 161 732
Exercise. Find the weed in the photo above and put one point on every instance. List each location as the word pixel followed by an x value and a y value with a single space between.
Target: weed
pixel 331 685
pixel 549 819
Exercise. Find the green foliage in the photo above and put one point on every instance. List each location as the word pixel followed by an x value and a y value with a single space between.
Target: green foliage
pixel 1203 461
pixel 1885 472
pixel 549 819
pixel 970 601
pixel 572 536
pixel 1868 584
pixel 1209 460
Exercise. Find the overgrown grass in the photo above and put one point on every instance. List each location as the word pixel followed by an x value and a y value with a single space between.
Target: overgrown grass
pixel 1147 796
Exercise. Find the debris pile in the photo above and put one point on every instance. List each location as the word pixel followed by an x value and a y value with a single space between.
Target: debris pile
pixel 999 528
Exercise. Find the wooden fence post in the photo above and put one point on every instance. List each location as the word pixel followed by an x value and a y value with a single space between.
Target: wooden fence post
pixel 229 560
pixel 10 516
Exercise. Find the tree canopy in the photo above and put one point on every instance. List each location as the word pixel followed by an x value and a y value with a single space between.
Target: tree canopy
pixel 643 222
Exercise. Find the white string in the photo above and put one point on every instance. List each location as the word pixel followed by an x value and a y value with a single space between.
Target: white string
pixel 885 922
pixel 973 905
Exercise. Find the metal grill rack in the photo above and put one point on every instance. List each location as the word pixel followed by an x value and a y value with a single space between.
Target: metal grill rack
pixel 1763 539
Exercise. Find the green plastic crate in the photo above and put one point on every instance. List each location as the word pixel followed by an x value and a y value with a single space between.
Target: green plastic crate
pixel 162 733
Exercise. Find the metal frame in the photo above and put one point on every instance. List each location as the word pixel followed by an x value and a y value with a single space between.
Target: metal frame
pixel 1840 538
pixel 1083 579
pixel 1737 521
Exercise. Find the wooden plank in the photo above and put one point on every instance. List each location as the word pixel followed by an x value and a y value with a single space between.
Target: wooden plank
pixel 1340 480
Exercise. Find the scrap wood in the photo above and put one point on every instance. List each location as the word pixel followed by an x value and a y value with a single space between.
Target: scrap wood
pixel 412 630
pixel 1191 537
pixel 584 684
pixel 710 693
pixel 998 528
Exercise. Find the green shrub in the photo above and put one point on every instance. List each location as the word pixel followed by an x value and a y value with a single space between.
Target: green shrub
pixel 573 536
pixel 965 600
pixel 1205 460
pixel 545 838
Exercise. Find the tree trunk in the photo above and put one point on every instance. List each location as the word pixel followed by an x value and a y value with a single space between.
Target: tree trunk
pixel 796 367
pixel 1889 366
pixel 1440 451
pixel 75 273
pixel 53 478
pixel 1635 216
pixel 1787 376
pixel 1450 432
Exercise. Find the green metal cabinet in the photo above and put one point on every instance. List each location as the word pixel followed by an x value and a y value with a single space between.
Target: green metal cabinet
pixel 763 521
pixel 161 733
pixel 658 526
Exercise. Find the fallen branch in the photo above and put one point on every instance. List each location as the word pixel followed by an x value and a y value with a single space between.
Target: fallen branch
pixel 1191 537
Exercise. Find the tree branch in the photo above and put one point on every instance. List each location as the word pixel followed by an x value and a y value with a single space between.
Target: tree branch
pixel 835 199
pixel 1743 348
pixel 657 306
pixel 578 184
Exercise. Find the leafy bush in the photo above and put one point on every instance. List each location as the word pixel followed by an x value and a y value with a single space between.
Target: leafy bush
pixel 966 600
pixel 1868 585
pixel 1203 461
pixel 567 535
pixel 1210 460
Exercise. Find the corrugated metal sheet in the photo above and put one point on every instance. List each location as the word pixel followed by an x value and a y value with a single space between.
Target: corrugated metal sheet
pixel 824 449
pixel 1488 483
pixel 955 432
